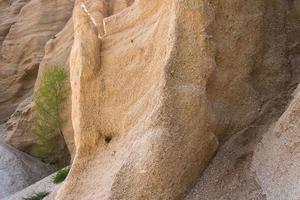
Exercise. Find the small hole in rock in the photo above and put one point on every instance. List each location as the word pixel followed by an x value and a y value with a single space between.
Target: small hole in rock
pixel 131 41
pixel 108 138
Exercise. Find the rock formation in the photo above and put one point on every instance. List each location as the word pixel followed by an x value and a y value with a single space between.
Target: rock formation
pixel 18 127
pixel 44 185
pixel 18 170
pixel 146 122
pixel 157 89
pixel 277 157
pixel 23 46
pixel 19 68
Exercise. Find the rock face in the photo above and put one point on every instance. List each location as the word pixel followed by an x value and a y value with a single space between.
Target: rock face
pixel 30 28
pixel 255 163
pixel 142 143
pixel 157 86
pixel 230 73
pixel 18 127
pixel 277 156
pixel 35 24
pixel 8 15
pixel 57 51
pixel 18 170
pixel 44 185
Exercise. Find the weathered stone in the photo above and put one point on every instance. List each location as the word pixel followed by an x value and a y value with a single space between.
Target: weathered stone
pixel 157 85
pixel 18 170
pixel 19 126
pixel 23 48
pixel 277 158
pixel 144 105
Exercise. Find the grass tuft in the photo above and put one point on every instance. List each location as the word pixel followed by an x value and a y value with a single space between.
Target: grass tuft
pixel 61 175
pixel 37 196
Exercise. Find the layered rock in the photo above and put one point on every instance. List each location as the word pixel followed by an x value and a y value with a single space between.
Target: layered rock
pixel 9 9
pixel 36 23
pixel 18 128
pixel 23 48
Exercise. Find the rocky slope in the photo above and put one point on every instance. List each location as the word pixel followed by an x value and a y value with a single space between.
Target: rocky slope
pixel 156 88
pixel 18 170
pixel 44 185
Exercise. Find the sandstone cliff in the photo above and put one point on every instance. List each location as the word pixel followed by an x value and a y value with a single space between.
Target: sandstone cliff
pixel 157 89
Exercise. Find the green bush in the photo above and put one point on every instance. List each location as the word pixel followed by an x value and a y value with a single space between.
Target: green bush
pixel 47 122
pixel 61 175
pixel 37 196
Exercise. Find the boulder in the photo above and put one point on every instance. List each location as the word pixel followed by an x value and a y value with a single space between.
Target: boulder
pixel 19 170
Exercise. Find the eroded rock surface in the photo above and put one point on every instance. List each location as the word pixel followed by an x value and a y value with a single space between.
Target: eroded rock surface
pixel 18 170
pixel 217 63
pixel 23 47
pixel 44 185
pixel 18 127
pixel 57 51
pixel 277 157
pixel 158 85
pixel 142 144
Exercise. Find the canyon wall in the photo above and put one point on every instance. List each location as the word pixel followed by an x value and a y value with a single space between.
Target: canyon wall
pixel 156 87
pixel 241 59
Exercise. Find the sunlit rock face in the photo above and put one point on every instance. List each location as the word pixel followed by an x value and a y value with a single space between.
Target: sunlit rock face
pixel 162 84
pixel 156 87
pixel 54 51
pixel 135 127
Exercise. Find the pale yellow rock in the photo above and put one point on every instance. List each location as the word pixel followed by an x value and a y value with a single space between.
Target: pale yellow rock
pixel 157 84
pixel 136 130
pixel 57 51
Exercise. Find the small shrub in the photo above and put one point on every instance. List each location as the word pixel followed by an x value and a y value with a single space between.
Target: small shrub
pixel 47 122
pixel 61 175
pixel 37 196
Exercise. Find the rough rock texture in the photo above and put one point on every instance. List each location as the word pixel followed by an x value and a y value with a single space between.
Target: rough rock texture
pixel 23 47
pixel 18 127
pixel 131 118
pixel 158 85
pixel 251 68
pixel 57 51
pixel 277 157
pixel 9 9
pixel 230 73
pixel 231 175
pixel 246 167
pixel 18 170
pixel 1 132
pixel 36 23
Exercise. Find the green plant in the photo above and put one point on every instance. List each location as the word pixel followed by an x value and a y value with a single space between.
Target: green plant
pixel 47 122
pixel 61 175
pixel 37 196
